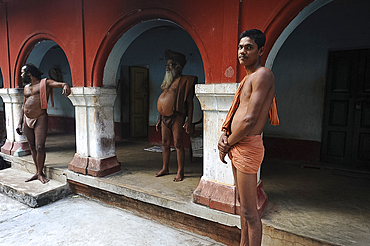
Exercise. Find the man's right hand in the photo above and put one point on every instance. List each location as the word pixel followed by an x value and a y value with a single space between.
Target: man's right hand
pixel 222 157
pixel 158 125
pixel 66 90
pixel 19 129
pixel 223 147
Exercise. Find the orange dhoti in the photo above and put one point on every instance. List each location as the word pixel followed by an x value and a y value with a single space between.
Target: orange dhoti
pixel 247 154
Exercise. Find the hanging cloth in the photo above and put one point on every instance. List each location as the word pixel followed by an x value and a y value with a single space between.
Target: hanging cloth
pixel 43 95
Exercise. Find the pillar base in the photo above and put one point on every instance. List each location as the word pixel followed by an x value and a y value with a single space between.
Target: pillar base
pixel 7 147
pixel 103 167
pixel 94 166
pixel 222 197
pixel 79 164
pixel 16 148
pixel 20 149
pixel 215 195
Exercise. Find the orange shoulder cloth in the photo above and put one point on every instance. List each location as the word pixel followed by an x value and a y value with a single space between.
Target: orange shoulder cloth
pixel 43 95
pixel 274 119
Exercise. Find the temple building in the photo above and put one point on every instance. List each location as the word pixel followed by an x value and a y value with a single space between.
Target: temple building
pixel 111 53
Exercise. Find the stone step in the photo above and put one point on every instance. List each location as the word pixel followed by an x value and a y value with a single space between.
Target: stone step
pixel 26 164
pixel 34 193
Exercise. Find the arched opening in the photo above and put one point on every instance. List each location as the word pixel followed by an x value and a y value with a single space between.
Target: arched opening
pixel 143 47
pixel 50 58
pixel 324 102
pixel 301 65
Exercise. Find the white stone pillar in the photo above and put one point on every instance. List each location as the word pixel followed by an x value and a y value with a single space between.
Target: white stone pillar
pixel 216 188
pixel 94 131
pixel 15 144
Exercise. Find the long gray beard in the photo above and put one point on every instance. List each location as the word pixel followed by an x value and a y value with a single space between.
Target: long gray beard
pixel 168 78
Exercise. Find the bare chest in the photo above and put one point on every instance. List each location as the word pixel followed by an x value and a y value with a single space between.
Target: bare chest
pixel 167 99
pixel 31 90
pixel 171 91
pixel 172 88
pixel 246 93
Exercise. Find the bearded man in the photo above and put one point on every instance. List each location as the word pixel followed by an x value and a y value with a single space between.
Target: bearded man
pixel 175 107
pixel 34 117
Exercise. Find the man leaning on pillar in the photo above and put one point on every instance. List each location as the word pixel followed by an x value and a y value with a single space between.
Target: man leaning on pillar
pixel 34 117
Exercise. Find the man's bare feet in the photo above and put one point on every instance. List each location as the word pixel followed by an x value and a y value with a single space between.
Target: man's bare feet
pixel 40 177
pixel 43 179
pixel 162 173
pixel 34 177
pixel 179 177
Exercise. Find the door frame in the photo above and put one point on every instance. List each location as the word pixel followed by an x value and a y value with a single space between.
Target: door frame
pixel 147 97
pixel 351 148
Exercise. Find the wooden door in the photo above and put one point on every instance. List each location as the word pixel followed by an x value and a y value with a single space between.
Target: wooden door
pixel 346 129
pixel 139 102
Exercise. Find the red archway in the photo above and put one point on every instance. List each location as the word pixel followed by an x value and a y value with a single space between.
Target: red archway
pixel 130 20
pixel 278 19
pixel 25 51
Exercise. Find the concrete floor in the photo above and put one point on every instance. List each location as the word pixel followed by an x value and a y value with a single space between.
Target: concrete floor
pixel 77 220
pixel 324 204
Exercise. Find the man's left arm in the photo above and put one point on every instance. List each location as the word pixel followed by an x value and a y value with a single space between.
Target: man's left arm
pixel 54 84
pixel 188 126
pixel 189 122
pixel 261 85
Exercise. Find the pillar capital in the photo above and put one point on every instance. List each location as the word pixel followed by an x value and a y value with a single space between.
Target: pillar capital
pixel 93 96
pixel 12 95
pixel 216 97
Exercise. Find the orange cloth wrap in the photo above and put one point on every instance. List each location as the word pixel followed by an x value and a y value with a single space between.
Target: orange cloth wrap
pixel 274 119
pixel 273 116
pixel 185 89
pixel 43 95
pixel 247 154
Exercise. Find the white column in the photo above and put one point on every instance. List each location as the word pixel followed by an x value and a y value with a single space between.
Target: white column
pixel 94 130
pixel 94 121
pixel 15 144
pixel 215 100
pixel 216 188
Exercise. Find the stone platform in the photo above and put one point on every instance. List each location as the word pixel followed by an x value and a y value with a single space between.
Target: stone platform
pixel 34 193
pixel 307 205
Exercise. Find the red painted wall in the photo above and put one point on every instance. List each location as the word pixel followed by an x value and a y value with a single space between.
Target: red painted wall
pixel 33 21
pixel 88 30
pixel 210 30
pixel 271 17
pixel 4 63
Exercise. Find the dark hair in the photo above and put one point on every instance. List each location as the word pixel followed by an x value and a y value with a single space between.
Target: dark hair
pixel 255 34
pixel 33 70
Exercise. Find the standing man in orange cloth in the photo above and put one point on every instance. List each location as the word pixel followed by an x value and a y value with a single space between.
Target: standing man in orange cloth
pixel 34 117
pixel 253 103
pixel 175 107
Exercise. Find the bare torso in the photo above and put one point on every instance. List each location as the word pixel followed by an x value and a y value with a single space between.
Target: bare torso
pixel 244 103
pixel 167 99
pixel 32 102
